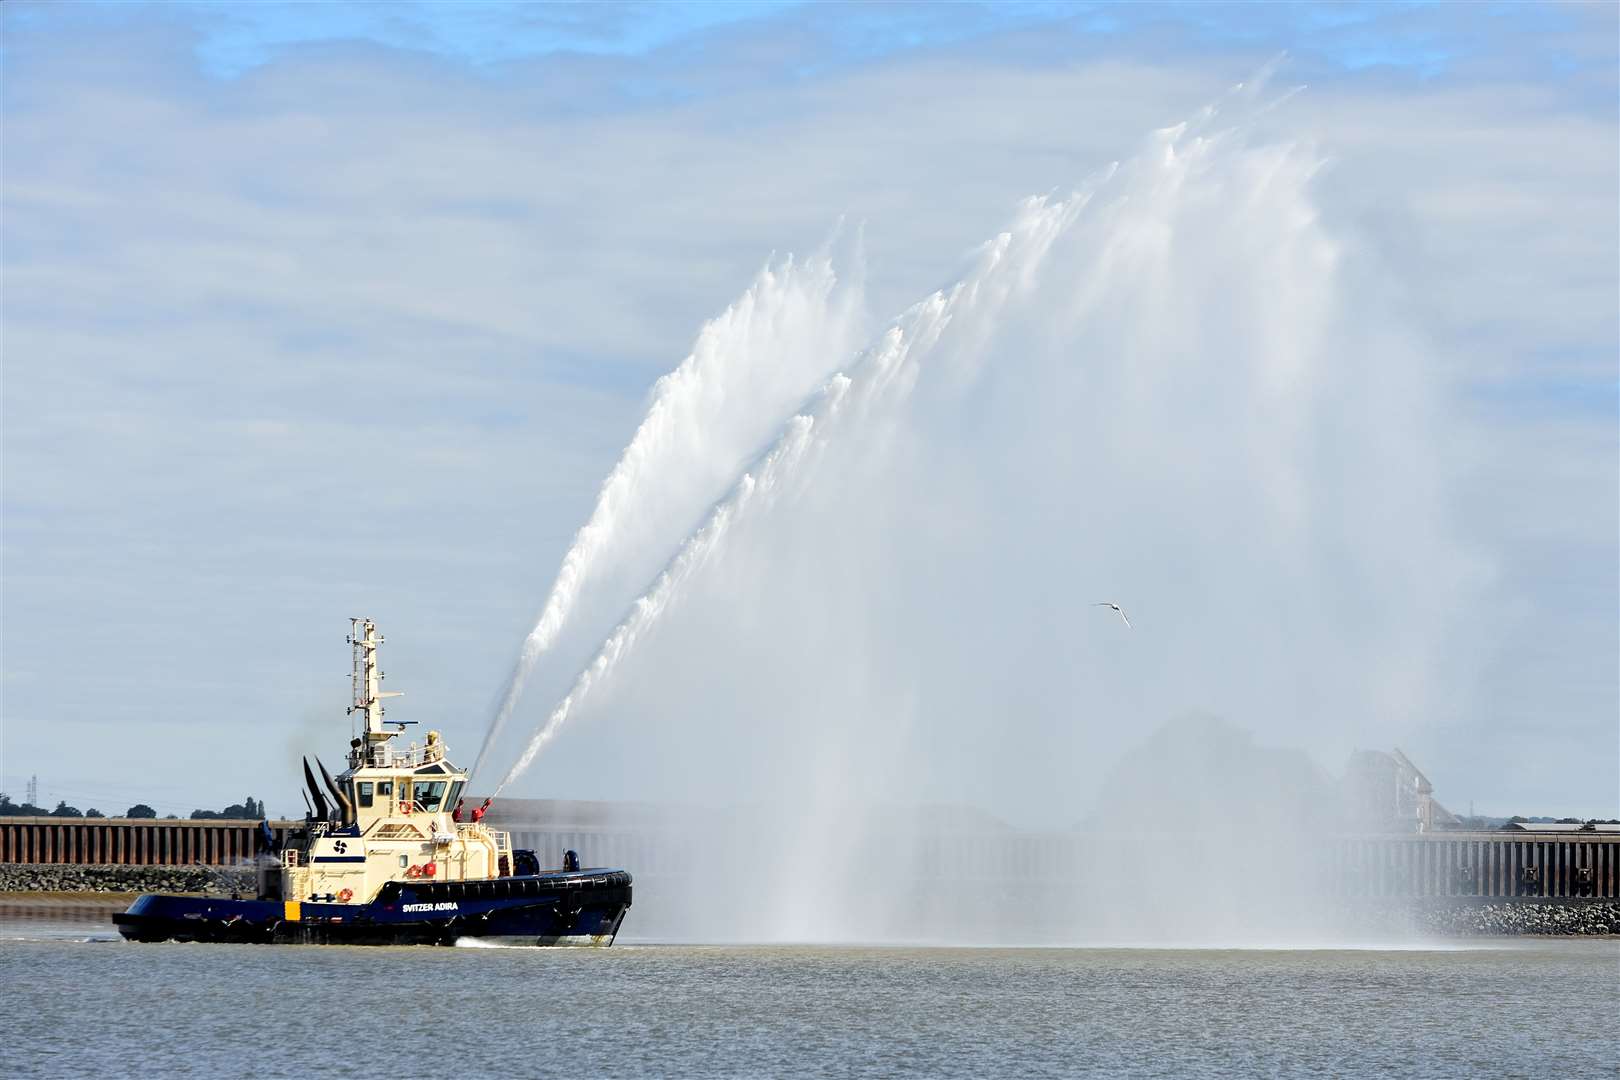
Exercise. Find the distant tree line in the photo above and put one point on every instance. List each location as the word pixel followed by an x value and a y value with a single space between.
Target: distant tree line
pixel 248 808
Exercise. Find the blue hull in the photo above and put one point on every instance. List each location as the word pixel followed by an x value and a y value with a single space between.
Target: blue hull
pixel 582 907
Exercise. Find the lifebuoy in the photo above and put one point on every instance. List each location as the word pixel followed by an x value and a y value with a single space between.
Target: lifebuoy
pixel 345 896
pixel 429 869
pixel 404 807
pixel 414 872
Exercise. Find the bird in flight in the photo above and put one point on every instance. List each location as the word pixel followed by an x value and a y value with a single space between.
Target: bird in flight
pixel 1117 608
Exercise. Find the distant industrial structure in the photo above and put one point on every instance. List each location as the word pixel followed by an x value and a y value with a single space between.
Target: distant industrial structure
pixel 1385 792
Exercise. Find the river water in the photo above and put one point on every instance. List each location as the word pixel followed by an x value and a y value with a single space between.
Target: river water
pixel 83 1004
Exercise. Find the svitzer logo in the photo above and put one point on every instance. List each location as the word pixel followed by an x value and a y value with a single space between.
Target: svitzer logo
pixel 339 846
pixel 449 905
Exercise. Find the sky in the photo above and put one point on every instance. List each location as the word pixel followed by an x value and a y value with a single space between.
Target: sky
pixel 320 311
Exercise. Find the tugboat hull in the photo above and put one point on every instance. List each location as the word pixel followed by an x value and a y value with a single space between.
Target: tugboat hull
pixel 583 907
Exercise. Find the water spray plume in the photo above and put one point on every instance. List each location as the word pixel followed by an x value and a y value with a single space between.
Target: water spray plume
pixel 1177 388
pixel 881 372
pixel 694 553
pixel 749 367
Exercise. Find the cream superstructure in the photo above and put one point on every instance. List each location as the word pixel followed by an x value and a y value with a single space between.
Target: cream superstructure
pixel 393 820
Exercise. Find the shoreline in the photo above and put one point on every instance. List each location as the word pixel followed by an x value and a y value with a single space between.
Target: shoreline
pixel 47 906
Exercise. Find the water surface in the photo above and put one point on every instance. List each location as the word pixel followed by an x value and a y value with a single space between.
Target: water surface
pixel 104 1008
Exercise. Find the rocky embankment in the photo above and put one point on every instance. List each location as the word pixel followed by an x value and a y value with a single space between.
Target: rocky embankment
pixel 1488 916
pixel 1578 917
pixel 73 878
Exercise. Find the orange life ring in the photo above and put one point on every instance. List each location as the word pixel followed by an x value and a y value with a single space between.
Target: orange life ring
pixel 414 872
pixel 429 869
pixel 345 896
pixel 404 807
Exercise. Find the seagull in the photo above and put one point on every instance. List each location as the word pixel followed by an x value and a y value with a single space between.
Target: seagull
pixel 1117 608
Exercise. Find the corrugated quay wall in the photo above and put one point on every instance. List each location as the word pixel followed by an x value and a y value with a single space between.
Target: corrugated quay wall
pixel 1486 864
pixel 1500 864
pixel 132 841
pixel 1490 864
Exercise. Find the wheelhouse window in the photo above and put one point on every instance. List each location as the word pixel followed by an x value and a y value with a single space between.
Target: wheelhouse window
pixel 385 787
pixel 430 795
pixel 365 792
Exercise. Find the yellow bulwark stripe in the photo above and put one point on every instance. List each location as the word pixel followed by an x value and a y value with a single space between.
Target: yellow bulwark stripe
pixel 292 912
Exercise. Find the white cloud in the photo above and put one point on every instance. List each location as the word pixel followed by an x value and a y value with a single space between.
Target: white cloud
pixel 234 310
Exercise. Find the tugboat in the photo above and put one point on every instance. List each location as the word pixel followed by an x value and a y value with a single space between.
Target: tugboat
pixel 390 862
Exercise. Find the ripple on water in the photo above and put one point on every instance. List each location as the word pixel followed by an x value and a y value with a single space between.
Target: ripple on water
pixel 205 1010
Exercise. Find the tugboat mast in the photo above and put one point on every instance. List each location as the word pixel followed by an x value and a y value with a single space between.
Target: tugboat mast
pixel 367 680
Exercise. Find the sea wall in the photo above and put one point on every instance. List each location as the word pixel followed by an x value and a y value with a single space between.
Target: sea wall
pixel 80 878
pixel 135 841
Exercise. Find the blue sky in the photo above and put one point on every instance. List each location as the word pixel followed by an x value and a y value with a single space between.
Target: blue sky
pixel 1425 40
pixel 241 240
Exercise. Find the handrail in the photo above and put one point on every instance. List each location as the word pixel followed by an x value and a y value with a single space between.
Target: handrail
pixel 383 756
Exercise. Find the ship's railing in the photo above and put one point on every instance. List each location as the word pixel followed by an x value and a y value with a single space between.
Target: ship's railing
pixel 469 830
pixel 383 756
